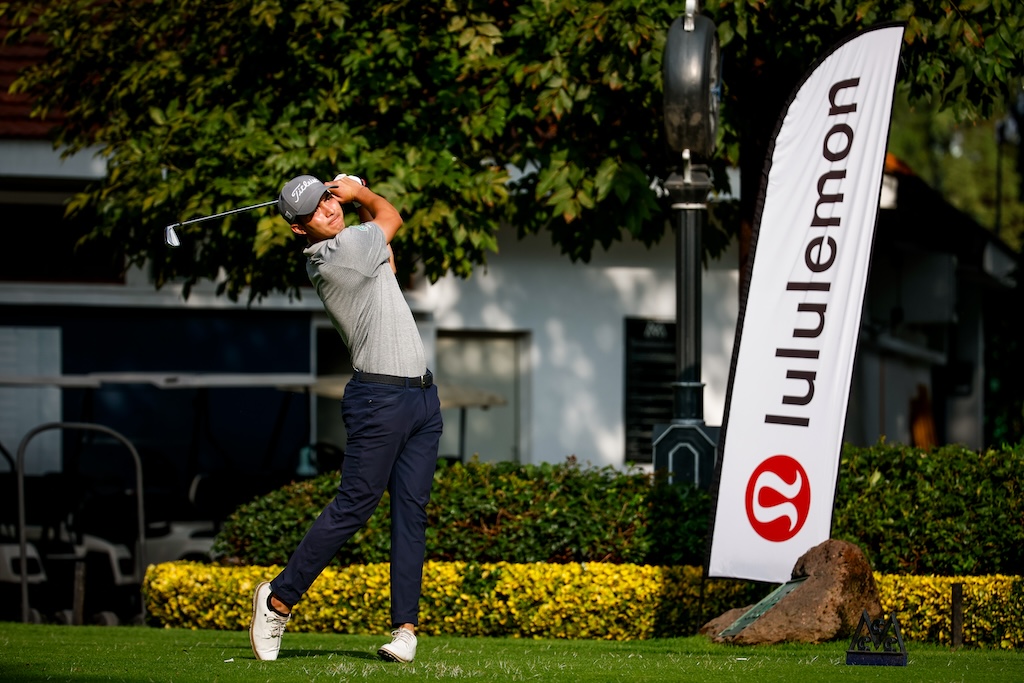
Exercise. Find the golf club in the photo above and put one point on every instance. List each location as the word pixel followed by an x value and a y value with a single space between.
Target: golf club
pixel 171 237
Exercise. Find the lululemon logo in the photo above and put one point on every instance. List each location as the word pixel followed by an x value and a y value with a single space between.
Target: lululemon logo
pixel 778 498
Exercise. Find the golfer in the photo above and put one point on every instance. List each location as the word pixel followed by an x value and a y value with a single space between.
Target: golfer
pixel 390 408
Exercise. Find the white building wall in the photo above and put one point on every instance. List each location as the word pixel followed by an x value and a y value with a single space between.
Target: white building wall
pixel 574 314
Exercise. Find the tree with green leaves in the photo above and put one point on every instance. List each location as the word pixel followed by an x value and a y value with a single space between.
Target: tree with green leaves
pixel 543 114
pixel 970 163
pixel 962 57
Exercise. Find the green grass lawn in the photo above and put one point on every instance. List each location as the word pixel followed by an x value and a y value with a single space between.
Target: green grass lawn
pixel 94 653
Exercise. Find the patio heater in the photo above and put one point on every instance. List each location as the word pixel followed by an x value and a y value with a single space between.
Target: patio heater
pixel 685 448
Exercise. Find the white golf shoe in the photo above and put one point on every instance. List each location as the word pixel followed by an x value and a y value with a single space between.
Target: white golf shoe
pixel 402 647
pixel 267 626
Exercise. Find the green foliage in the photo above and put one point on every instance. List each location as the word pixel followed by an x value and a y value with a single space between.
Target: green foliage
pixel 478 512
pixel 963 162
pixel 542 513
pixel 678 524
pixel 949 511
pixel 200 107
pixel 267 529
pixel 963 58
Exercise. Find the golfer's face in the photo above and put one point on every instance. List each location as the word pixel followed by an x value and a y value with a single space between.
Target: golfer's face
pixel 326 222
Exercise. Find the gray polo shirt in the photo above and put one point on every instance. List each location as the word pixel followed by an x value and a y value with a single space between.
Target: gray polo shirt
pixel 362 297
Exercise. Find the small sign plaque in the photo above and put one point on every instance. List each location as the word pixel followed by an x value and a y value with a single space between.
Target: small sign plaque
pixel 755 612
pixel 877 642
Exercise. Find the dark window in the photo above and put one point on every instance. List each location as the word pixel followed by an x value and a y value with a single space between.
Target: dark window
pixel 41 245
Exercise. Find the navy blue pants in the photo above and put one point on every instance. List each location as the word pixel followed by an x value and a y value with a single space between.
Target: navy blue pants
pixel 393 434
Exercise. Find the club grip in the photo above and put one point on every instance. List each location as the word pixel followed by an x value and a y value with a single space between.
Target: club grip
pixel 361 181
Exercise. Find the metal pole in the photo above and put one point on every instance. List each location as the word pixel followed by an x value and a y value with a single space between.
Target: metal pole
pixel 688 193
pixel 999 185
pixel 688 399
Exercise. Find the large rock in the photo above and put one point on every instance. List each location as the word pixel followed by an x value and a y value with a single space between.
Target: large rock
pixel 826 606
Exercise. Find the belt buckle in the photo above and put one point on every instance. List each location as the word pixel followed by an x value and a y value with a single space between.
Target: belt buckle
pixel 423 381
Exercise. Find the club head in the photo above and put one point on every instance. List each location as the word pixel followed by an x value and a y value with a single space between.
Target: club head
pixel 171 237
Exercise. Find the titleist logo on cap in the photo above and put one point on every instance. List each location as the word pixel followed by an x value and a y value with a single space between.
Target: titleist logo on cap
pixel 297 191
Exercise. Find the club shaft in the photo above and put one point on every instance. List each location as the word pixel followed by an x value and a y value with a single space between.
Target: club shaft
pixel 223 213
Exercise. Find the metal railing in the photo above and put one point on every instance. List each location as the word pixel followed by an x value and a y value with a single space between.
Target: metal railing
pixel 140 563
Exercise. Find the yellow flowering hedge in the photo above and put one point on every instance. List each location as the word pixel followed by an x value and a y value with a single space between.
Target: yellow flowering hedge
pixel 993 608
pixel 541 600
pixel 576 600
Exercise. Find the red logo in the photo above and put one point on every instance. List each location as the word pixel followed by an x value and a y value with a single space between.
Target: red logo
pixel 778 498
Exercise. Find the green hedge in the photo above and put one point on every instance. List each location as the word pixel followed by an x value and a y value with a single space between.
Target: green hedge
pixel 950 511
pixel 497 513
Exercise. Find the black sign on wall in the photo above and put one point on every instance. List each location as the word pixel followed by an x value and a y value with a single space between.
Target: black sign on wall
pixel 650 369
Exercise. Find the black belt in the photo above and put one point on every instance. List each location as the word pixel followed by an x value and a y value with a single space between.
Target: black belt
pixel 421 382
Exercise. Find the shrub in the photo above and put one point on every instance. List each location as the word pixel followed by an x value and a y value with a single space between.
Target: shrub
pixel 949 511
pixel 574 600
pixel 531 600
pixel 543 513
pixel 478 512
pixel 993 608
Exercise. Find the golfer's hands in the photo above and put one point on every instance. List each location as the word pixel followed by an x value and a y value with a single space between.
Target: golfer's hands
pixel 345 187
pixel 369 205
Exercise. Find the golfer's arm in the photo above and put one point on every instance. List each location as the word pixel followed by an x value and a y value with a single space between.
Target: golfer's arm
pixel 365 217
pixel 380 211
